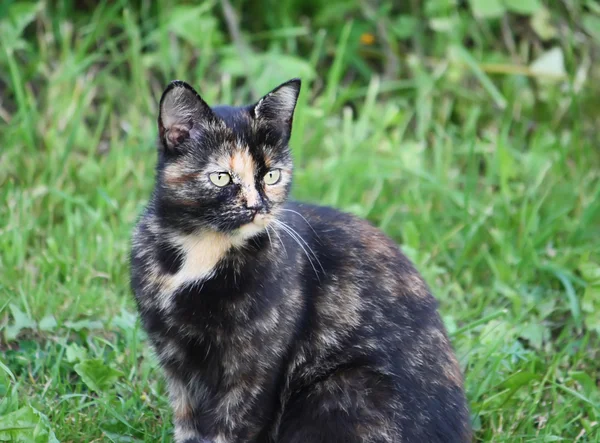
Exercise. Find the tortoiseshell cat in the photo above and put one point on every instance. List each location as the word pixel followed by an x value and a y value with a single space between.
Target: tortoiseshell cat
pixel 274 321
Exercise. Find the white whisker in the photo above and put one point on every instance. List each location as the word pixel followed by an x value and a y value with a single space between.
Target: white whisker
pixel 304 218
pixel 268 235
pixel 280 240
pixel 298 239
pixel 303 241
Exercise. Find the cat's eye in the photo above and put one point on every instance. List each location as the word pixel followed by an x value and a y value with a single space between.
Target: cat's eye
pixel 272 176
pixel 220 179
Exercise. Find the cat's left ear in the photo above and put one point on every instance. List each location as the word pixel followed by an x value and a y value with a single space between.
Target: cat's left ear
pixel 277 107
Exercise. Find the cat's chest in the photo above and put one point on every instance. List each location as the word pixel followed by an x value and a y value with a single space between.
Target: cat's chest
pixel 232 321
pixel 218 311
pixel 225 336
pixel 184 263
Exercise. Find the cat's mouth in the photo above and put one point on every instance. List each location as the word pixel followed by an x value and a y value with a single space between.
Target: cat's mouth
pixel 259 219
pixel 257 225
pixel 254 218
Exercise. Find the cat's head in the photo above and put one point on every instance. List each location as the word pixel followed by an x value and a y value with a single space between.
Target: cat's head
pixel 226 169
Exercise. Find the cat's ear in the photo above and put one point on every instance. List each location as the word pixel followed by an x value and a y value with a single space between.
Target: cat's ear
pixel 277 107
pixel 181 110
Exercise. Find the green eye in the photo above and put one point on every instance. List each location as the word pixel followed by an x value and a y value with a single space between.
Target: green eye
pixel 272 176
pixel 220 179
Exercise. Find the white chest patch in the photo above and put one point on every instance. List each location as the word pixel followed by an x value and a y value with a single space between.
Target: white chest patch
pixel 200 254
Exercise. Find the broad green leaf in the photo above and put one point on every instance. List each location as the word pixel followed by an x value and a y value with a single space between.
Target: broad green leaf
pixel 487 8
pixel 524 7
pixel 443 24
pixel 97 375
pixel 590 272
pixel 48 323
pixel 551 64
pixel 591 24
pixel 330 12
pixel 84 324
pixel 519 379
pixel 593 6
pixel 590 305
pixel 404 26
pixel 267 67
pixel 26 425
pixel 542 24
pixel 591 299
pixel 586 382
pixel 19 15
pixel 535 334
pixel 190 31
pixel 75 353
pixel 125 320
pixel 437 8
pixel 20 321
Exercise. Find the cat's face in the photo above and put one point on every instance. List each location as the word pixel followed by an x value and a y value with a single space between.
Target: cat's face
pixel 224 169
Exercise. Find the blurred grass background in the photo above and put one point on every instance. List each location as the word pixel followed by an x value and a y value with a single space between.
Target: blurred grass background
pixel 467 130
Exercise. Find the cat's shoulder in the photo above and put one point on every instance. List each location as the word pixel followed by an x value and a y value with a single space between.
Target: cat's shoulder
pixel 332 219
pixel 344 231
pixel 324 214
pixel 146 227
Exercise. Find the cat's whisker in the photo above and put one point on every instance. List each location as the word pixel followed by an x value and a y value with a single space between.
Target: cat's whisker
pixel 305 252
pixel 293 234
pixel 280 240
pixel 268 235
pixel 305 243
pixel 303 217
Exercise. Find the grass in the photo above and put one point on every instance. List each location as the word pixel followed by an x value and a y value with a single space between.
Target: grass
pixel 428 119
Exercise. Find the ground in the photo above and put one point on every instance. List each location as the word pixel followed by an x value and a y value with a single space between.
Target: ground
pixel 467 131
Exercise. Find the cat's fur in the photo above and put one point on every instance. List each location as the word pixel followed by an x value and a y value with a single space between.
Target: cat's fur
pixel 275 321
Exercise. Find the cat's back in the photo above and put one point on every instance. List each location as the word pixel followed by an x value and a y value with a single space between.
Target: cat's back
pixel 347 245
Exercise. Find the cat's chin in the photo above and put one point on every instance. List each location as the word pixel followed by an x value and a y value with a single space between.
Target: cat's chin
pixel 257 226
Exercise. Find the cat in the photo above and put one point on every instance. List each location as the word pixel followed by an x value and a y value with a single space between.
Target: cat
pixel 276 321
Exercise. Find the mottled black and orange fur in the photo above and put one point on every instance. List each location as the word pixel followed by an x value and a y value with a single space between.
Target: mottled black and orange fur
pixel 274 321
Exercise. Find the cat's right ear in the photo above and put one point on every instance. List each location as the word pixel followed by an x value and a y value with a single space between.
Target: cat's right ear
pixel 181 111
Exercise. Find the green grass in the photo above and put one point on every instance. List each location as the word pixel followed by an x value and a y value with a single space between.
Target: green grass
pixel 486 172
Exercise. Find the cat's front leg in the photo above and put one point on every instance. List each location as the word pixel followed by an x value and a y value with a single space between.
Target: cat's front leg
pixel 182 401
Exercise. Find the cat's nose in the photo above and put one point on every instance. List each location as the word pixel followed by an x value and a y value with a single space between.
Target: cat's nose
pixel 255 208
